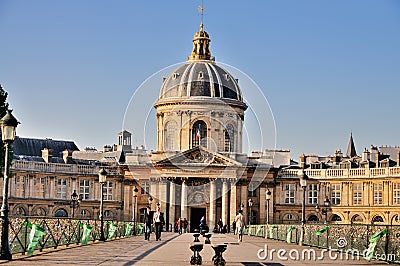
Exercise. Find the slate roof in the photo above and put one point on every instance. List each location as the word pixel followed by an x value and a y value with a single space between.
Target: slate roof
pixel 34 147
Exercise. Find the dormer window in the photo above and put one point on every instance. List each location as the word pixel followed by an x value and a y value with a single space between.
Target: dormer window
pixel 175 75
pixel 227 77
pixel 201 76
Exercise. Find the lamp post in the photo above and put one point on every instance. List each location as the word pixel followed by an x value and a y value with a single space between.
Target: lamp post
pixel 268 198
pixel 8 130
pixel 135 193
pixel 102 181
pixel 150 201
pixel 303 183
pixel 250 201
pixel 325 209
pixel 74 202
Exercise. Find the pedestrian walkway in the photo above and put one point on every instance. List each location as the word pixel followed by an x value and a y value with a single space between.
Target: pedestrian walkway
pixel 174 250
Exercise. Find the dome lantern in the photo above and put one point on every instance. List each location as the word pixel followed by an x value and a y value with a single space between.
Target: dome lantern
pixel 201 45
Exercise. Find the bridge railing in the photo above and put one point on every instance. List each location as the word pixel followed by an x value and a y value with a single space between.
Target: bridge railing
pixel 344 238
pixel 63 231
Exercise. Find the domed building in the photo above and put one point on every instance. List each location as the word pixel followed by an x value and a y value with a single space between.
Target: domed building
pixel 198 168
pixel 200 104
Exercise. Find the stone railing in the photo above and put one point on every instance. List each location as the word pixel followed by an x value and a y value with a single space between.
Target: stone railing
pixel 62 168
pixel 344 173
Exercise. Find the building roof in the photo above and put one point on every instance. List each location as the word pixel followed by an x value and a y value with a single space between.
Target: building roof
pixel 351 148
pixel 34 147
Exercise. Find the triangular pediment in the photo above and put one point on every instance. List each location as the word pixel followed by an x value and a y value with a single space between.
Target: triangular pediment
pixel 198 156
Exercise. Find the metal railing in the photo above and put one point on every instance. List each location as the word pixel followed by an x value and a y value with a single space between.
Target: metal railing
pixel 345 238
pixel 61 232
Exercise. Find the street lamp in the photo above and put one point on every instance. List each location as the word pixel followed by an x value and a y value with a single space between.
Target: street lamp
pixel 250 201
pixel 325 209
pixel 8 130
pixel 135 193
pixel 150 201
pixel 268 198
pixel 102 181
pixel 74 202
pixel 303 183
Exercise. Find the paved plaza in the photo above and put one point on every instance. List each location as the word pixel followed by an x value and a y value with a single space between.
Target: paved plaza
pixel 174 250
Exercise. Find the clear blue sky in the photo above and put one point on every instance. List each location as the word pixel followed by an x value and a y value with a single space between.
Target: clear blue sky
pixel 326 67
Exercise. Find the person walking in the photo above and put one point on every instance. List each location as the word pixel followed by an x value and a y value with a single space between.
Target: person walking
pixel 158 221
pixel 148 220
pixel 240 223
pixel 234 226
pixel 185 225
pixel 179 224
pixel 203 225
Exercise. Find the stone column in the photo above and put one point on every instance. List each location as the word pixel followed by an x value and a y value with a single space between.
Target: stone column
pixel 233 202
pixel 172 219
pixel 243 199
pixel 213 206
pixel 263 203
pixel 184 210
pixel 224 202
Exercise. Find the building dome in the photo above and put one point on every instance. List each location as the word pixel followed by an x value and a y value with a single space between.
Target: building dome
pixel 200 76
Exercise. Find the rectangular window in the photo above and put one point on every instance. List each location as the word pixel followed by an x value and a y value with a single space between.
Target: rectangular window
pixel 40 187
pixel 313 194
pixel 108 190
pixel 289 193
pixel 145 188
pixel 252 191
pixel 357 193
pixel 396 193
pixel 84 189
pixel 378 191
pixel 335 194
pixel 20 186
pixel 62 188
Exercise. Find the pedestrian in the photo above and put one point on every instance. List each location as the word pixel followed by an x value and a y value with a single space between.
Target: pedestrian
pixel 203 225
pixel 240 223
pixel 220 225
pixel 234 226
pixel 180 225
pixel 148 220
pixel 185 225
pixel 158 221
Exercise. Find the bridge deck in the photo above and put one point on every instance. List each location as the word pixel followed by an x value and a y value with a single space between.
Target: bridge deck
pixel 174 250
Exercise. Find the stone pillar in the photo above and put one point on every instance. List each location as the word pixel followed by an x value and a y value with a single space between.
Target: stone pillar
pixel 153 191
pixel 172 219
pixel 184 210
pixel 213 205
pixel 233 203
pixel 128 202
pixel 225 202
pixel 263 203
pixel 243 199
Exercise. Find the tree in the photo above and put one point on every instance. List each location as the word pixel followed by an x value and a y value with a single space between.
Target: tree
pixel 3 110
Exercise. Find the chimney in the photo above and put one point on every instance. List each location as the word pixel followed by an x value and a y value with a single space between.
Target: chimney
pixel 67 156
pixel 107 148
pixel 375 155
pixel 47 155
pixel 337 157
pixel 366 155
pixel 398 158
pixel 302 160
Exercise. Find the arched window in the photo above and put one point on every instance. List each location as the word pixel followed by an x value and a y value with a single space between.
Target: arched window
pixel 170 136
pixel 229 138
pixel 40 212
pixel 199 134
pixel 313 218
pixel 336 218
pixel 85 213
pixel 356 219
pixel 377 219
pixel 20 211
pixel 61 213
